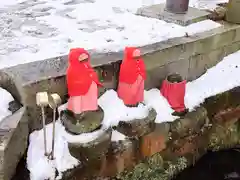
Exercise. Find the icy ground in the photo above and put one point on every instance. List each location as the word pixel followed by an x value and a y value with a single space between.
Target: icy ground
pixel 209 84
pixel 32 30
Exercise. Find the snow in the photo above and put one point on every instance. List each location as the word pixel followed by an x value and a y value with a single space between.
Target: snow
pixel 6 98
pixel 35 30
pixel 154 99
pixel 207 4
pixel 220 78
pixel 223 77
pixel 83 138
pixel 117 136
pixel 36 158
pixel 115 110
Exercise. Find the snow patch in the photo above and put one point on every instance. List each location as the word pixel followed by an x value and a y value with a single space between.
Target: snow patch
pixel 206 4
pixel 154 99
pixel 115 110
pixel 117 136
pixel 38 164
pixel 83 138
pixel 6 98
pixel 220 78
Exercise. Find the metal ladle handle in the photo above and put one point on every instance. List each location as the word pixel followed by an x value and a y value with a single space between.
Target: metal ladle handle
pixel 42 101
pixel 54 102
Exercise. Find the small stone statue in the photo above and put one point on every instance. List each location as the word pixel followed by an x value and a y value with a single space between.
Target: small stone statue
pixel 82 114
pixel 173 89
pixel 132 77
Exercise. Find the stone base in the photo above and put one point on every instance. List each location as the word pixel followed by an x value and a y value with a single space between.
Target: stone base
pixel 90 122
pixel 138 127
pixel 158 11
pixel 93 150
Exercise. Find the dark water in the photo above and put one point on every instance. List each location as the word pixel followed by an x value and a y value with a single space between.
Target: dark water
pixel 22 172
pixel 222 165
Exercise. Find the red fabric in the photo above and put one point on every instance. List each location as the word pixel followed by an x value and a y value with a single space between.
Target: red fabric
pixel 174 93
pixel 131 68
pixel 131 94
pixel 80 75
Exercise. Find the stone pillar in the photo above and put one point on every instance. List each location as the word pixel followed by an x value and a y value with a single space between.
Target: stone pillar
pixel 177 6
pixel 232 14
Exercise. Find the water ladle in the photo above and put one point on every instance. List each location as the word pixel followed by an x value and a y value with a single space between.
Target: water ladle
pixel 42 101
pixel 54 102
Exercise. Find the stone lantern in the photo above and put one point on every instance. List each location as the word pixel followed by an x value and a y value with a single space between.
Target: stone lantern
pixel 177 6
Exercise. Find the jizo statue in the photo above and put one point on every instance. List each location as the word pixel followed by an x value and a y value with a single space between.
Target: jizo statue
pixel 173 88
pixel 132 77
pixel 82 83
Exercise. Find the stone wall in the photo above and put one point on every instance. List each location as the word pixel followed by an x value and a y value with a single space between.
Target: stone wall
pixel 189 56
pixel 171 146
pixel 192 58
pixel 221 132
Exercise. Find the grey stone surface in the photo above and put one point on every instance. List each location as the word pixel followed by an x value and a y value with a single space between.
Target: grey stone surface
pixel 13 142
pixel 158 74
pixel 200 63
pixel 158 11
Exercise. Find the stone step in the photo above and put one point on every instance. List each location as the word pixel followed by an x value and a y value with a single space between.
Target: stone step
pixel 158 11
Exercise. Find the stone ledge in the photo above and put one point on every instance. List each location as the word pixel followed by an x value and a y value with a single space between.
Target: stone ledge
pixel 14 140
pixel 190 68
pixel 175 49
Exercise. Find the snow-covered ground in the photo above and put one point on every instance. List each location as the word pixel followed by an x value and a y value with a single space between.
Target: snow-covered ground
pixel 220 78
pixel 33 30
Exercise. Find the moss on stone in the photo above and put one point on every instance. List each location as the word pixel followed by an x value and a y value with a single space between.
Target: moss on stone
pixel 224 136
pixel 155 169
